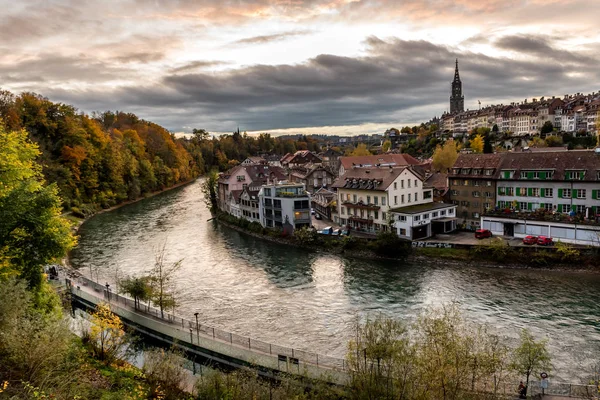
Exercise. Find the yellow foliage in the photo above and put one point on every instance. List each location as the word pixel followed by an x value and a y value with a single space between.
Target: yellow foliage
pixel 360 150
pixel 477 144
pixel 106 333
pixel 445 156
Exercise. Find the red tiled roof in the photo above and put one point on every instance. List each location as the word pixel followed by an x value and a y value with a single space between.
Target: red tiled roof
pixel 400 160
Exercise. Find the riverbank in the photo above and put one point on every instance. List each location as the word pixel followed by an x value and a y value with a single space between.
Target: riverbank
pixel 490 254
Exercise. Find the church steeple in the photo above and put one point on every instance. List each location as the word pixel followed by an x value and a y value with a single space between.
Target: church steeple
pixel 457 100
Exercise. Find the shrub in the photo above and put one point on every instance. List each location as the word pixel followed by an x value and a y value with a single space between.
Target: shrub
pixel 306 236
pixel 388 244
pixel 567 253
pixel 496 249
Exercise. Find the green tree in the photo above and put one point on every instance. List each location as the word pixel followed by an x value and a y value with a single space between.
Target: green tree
pixel 210 190
pixel 531 356
pixel 138 287
pixel 487 145
pixel 547 128
pixel 32 231
pixel 161 278
pixel 444 156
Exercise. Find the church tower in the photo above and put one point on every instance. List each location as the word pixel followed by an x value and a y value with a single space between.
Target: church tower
pixel 457 100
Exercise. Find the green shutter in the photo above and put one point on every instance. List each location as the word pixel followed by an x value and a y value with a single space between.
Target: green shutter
pixel 530 192
pixel 581 175
pixel 530 175
pixel 518 191
pixel 594 194
pixel 542 175
pixel 530 206
pixel 594 210
pixel 506 174
pixel 542 192
pixel 573 207
pixel 560 193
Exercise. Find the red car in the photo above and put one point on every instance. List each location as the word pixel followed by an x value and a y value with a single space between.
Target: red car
pixel 483 233
pixel 530 239
pixel 545 241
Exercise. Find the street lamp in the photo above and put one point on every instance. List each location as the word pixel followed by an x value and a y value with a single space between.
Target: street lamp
pixel 107 291
pixel 197 329
pixel 191 336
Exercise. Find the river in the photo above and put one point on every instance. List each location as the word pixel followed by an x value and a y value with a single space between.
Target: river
pixel 293 297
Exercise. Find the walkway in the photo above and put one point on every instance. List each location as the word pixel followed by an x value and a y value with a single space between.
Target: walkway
pixel 212 343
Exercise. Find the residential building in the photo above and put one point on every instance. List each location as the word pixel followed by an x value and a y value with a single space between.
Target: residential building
pixel 284 204
pixel 242 176
pixel 299 158
pixel 324 202
pixel 472 182
pixel 422 221
pixel 253 161
pixel 313 178
pixel 331 160
pixel 248 204
pixel 365 195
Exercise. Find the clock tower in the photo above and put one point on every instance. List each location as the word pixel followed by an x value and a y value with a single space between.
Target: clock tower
pixel 457 100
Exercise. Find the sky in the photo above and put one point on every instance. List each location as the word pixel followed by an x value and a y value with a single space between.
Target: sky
pixel 295 66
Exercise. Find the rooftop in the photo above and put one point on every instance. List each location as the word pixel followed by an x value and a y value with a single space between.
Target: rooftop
pixel 419 208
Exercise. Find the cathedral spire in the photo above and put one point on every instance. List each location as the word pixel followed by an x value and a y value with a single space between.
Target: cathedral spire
pixel 457 100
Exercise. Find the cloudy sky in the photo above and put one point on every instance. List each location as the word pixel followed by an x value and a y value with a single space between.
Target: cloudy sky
pixel 315 66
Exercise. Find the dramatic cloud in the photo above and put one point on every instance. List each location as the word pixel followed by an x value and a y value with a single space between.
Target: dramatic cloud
pixel 276 64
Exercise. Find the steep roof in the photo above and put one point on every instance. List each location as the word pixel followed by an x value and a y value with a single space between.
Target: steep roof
pixel 368 178
pixel 560 162
pixel 400 160
pixel 437 180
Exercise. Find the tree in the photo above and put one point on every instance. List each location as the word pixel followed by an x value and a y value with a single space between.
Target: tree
pixel 547 128
pixel 477 144
pixel 554 141
pixel 165 372
pixel 386 146
pixel 138 287
pixel 444 156
pixel 107 336
pixel 200 134
pixel 495 128
pixel 210 190
pixel 487 145
pixel 530 356
pixel 538 142
pixel 32 231
pixel 161 278
pixel 360 150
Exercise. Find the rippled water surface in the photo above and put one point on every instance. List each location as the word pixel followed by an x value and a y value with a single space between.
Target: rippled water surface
pixel 308 300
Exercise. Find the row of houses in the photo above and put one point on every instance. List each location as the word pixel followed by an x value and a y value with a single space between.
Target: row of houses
pixel 553 193
pixel 573 113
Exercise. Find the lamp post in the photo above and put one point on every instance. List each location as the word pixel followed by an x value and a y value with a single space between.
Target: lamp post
pixel 108 291
pixel 191 336
pixel 197 328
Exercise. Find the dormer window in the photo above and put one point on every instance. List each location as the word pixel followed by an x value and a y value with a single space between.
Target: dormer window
pixel 574 175
pixel 465 171
pixel 489 171
pixel 456 171
pixel 477 171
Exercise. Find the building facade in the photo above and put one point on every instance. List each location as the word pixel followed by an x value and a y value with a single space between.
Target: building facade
pixel 284 204
pixel 313 178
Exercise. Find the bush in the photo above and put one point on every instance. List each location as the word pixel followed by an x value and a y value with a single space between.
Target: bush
pixel 496 249
pixel 306 236
pixel 388 244
pixel 349 242
pixel 567 253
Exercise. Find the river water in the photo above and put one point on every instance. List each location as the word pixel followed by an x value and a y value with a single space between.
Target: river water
pixel 305 300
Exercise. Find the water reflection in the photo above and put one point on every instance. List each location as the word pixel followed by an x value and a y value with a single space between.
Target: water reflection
pixel 308 300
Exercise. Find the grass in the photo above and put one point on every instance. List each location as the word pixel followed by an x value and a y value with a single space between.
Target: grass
pixel 448 254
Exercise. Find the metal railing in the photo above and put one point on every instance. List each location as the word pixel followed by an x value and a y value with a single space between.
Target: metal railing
pixel 295 356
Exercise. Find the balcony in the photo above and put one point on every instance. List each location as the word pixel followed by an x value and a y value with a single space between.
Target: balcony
pixel 290 193
pixel 355 218
pixel 361 205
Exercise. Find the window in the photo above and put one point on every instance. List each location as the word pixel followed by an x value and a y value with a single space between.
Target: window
pixel 395 185
pixel 402 199
pixel 376 200
pixel 408 180
pixel 566 194
pixel 522 206
pixel 475 204
pixel 383 200
pixel 268 192
pixel 383 216
pixel 523 174
pixel 443 212
pixel 427 194
pixel 395 200
pixel 476 194
pixel 416 184
pixel 456 182
pixel 425 216
pixel 300 204
pixel 564 208
pixel 268 203
pixel 489 172
pixel 354 198
pixel 376 214
pixel 487 206
pixel 580 193
pixel 343 210
pixel 277 203
pixel 402 183
pixel 465 171
pixel 417 218
pixel 548 192
pixel 241 178
pixel 475 215
pixel 510 191
pixel 535 192
pixel 416 196
pixel 580 209
pixel 368 199
pixel 402 232
pixel 546 206
pixel 488 194
pixel 466 182
pixel 501 191
pixel 451 211
pixel 402 218
pixel 488 183
pixel 409 197
pixel 454 192
pixel 575 175
pixel 464 203
pixel 476 183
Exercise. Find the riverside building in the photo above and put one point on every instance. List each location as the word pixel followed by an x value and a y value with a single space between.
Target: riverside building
pixel 284 205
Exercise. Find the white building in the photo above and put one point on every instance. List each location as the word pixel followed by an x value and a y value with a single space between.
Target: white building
pixel 284 204
pixel 424 220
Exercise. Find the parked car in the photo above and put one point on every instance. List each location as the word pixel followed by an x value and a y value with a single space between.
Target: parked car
pixel 530 239
pixel 312 211
pixel 483 233
pixel 545 241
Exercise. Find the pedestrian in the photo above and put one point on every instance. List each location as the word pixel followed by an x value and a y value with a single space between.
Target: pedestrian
pixel 522 390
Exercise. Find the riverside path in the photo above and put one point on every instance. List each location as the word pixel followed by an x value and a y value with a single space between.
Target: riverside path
pixel 218 346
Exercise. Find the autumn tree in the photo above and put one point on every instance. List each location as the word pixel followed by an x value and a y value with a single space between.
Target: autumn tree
pixel 107 337
pixel 161 278
pixel 386 146
pixel 360 150
pixel 477 144
pixel 137 287
pixel 445 156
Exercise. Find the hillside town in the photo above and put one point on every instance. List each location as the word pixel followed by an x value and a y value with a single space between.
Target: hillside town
pixel 517 192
